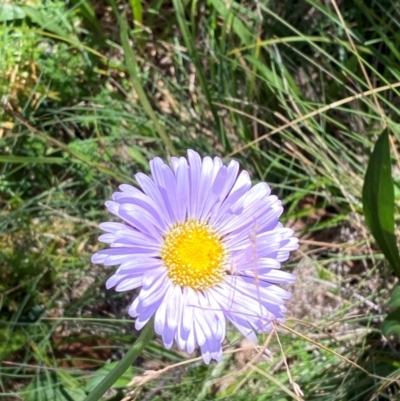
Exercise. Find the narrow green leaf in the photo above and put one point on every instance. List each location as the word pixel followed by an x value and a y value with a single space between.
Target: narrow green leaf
pixel 97 377
pixel 123 365
pixel 391 325
pixel 395 298
pixel 41 19
pixel 87 11
pixel 11 12
pixel 271 78
pixel 227 13
pixel 137 10
pixel 136 155
pixel 378 201
pixel 194 54
pixel 30 159
pixel 132 67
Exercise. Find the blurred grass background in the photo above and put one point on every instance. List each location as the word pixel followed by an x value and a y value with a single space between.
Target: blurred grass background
pixel 297 91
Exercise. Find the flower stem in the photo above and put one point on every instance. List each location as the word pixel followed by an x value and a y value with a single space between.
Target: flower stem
pixel 144 338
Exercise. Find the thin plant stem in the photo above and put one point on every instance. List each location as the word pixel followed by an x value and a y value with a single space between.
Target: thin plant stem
pixel 144 338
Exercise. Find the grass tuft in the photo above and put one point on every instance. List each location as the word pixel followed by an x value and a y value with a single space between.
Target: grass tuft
pixel 298 92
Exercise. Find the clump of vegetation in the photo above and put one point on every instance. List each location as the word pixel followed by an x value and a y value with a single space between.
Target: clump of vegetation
pixel 298 92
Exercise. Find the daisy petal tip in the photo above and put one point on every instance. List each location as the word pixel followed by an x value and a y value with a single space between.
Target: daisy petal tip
pixel 168 345
pixel 112 281
pixel 97 258
pixel 133 313
pixel 140 324
pixel 206 358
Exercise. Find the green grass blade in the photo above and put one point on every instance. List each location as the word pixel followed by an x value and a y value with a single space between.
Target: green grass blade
pixel 39 18
pixel 88 13
pixel 11 12
pixel 391 325
pixel 78 156
pixel 30 159
pixel 133 72
pixel 188 39
pixel 137 10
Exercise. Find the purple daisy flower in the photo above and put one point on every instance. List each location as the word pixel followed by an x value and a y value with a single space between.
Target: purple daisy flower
pixel 204 246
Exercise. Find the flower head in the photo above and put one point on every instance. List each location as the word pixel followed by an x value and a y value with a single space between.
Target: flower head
pixel 205 246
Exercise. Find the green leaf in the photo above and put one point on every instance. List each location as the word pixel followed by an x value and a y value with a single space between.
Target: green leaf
pixel 391 325
pixel 11 12
pixel 137 10
pixel 395 298
pixel 45 22
pixel 101 373
pixel 136 155
pixel 378 201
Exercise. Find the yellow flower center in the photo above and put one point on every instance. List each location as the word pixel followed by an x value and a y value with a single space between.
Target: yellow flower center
pixel 194 255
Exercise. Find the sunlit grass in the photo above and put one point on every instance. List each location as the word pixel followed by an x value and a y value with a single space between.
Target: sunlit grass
pixel 275 85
